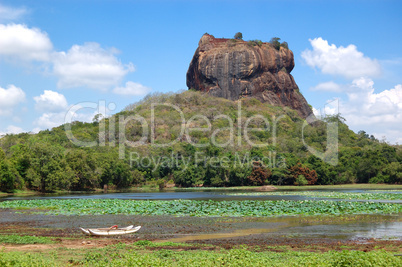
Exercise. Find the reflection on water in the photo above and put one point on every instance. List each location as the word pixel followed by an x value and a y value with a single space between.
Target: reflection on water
pixel 362 227
pixel 237 233
pixel 389 230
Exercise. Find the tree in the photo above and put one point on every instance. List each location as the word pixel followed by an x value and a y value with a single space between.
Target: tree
pixel 299 169
pixel 116 172
pixel 48 169
pixel 301 180
pixel 8 176
pixel 238 36
pixel 190 176
pixel 324 171
pixel 285 45
pixel 84 169
pixel 216 176
pixel 97 118
pixel 280 176
pixel 392 173
pixel 259 175
pixel 238 175
pixel 2 155
pixel 275 42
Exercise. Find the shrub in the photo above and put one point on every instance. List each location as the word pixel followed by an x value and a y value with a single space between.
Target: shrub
pixel 238 36
pixel 255 42
pixel 309 175
pixel 231 42
pixel 285 45
pixel 275 42
pixel 301 180
pixel 259 175
pixel 161 184
pixel 7 177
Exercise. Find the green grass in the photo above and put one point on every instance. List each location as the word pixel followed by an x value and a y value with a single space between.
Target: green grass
pixel 17 239
pixel 163 257
pixel 377 195
pixel 19 193
pixel 201 208
pixel 341 186
pixel 293 187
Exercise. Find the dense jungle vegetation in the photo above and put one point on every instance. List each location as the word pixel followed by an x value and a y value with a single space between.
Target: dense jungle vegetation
pixel 193 139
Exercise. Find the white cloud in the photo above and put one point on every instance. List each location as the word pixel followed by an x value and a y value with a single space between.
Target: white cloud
pixel 363 100
pixel 10 13
pixel 344 61
pixel 317 112
pixel 50 120
pixel 90 66
pixel 11 129
pixel 19 41
pixel 9 98
pixel 87 65
pixel 51 101
pixel 379 114
pixel 327 87
pixel 132 88
pixel 80 112
pixel 14 129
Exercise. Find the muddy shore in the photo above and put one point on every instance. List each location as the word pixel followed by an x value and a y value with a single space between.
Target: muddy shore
pixel 296 233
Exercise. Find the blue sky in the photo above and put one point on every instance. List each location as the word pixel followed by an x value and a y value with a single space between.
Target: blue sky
pixel 58 53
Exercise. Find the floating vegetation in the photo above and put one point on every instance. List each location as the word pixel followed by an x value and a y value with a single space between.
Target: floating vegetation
pixel 233 208
pixel 372 195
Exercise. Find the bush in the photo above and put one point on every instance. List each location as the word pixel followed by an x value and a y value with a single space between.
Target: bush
pixel 189 176
pixel 309 175
pixel 6 178
pixel 255 42
pixel 259 175
pixel 275 42
pixel 161 184
pixel 138 177
pixel 238 175
pixel 285 45
pixel 301 180
pixel 238 36
pixel 231 42
pixel 280 176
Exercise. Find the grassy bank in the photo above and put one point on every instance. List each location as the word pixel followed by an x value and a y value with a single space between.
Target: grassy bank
pixel 342 186
pixel 154 188
pixel 137 255
pixel 282 187
pixel 367 195
pixel 22 240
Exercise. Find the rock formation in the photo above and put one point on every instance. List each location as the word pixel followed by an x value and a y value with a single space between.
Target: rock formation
pixel 235 68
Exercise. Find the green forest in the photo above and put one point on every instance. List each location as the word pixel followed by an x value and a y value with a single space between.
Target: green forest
pixel 210 153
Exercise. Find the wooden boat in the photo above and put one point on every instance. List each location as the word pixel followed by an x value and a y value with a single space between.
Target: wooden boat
pixel 114 230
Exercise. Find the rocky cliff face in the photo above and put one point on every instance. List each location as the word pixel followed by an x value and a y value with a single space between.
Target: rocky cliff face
pixel 234 69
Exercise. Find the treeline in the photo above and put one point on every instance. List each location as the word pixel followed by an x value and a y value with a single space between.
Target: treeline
pixel 45 167
pixel 49 161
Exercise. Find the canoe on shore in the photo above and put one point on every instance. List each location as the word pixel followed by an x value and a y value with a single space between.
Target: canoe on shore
pixel 111 231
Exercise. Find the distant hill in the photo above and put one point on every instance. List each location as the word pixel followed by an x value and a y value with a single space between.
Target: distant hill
pixel 193 138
